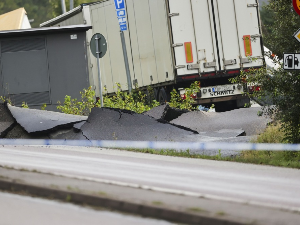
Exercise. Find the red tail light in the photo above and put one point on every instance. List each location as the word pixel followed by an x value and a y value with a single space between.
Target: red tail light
pixel 183 96
pixel 257 88
pixel 254 88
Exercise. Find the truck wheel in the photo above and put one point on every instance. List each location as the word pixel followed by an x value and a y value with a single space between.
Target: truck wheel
pixel 162 96
pixel 150 96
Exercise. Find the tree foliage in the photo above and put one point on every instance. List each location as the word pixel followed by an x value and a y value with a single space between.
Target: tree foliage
pixel 57 9
pixel 285 23
pixel 266 19
pixel 39 10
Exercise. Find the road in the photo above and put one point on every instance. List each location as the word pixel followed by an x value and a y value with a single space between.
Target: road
pixel 15 210
pixel 252 184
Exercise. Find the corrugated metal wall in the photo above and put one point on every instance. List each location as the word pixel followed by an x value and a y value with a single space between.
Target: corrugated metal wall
pixel 43 68
pixel 74 20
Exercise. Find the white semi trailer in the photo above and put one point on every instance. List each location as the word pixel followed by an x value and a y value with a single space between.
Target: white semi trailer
pixel 172 43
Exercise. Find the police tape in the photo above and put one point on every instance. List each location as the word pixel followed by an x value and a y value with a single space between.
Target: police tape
pixel 200 146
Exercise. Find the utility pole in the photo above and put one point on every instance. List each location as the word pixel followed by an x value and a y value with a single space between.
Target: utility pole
pixel 71 4
pixel 63 6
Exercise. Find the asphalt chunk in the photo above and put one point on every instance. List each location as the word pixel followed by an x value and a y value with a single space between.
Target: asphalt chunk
pixel 7 121
pixel 67 134
pixel 173 113
pixel 33 120
pixel 5 114
pixel 77 126
pixel 165 112
pixel 245 119
pixel 18 132
pixel 115 124
pixel 226 133
pixel 5 127
pixel 158 112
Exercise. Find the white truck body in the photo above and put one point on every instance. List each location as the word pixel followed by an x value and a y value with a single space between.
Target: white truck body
pixel 174 42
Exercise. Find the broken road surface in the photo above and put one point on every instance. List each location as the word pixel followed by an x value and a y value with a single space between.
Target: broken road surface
pixel 159 124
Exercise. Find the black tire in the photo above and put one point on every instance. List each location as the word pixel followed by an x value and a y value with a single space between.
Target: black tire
pixel 150 96
pixel 162 96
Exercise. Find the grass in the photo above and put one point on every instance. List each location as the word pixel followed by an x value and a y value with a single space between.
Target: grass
pixel 102 193
pixel 68 198
pixel 281 159
pixel 221 213
pixel 157 203
pixel 272 134
pixel 196 210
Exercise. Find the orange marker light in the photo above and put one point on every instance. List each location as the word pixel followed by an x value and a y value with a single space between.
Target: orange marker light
pixel 247 45
pixel 188 52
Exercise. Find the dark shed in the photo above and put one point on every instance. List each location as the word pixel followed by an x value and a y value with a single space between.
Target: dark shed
pixel 43 65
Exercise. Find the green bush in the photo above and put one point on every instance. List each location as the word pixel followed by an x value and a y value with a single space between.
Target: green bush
pixel 24 105
pixel 4 99
pixel 83 107
pixel 272 134
pixel 280 88
pixel 137 101
pixel 187 103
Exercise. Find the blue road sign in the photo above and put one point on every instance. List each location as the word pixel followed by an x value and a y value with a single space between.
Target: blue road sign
pixel 120 4
pixel 121 14
pixel 122 20
pixel 123 27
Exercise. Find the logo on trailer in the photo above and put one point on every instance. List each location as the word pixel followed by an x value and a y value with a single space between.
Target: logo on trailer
pixel 296 4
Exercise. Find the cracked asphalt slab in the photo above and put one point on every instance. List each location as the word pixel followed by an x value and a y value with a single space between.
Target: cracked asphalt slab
pixel 158 112
pixel 165 112
pixel 112 124
pixel 7 121
pixel 245 119
pixel 33 120
pixel 239 125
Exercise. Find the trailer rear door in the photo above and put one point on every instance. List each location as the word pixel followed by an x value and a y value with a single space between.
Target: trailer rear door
pixel 183 32
pixel 238 32
pixel 215 35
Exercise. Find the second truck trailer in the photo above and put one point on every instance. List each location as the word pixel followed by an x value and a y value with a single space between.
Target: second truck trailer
pixel 172 43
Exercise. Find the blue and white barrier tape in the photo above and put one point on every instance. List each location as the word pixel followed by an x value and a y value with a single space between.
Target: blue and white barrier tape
pixel 201 146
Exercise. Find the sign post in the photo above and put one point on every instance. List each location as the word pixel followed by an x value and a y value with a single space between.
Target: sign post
pixel 122 18
pixel 98 47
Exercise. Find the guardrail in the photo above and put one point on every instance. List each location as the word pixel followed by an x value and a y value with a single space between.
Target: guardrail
pixel 201 146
